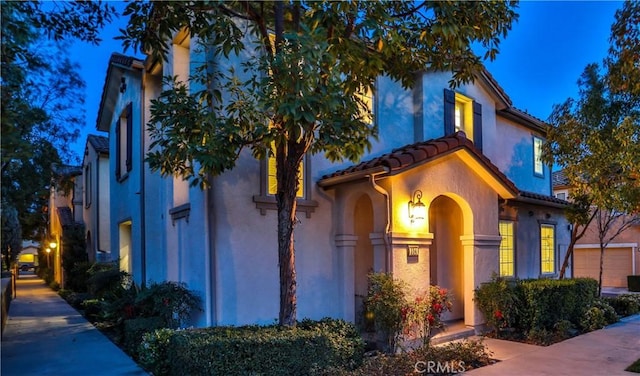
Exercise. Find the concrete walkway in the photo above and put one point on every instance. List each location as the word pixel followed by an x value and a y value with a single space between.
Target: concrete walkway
pixel 603 352
pixel 45 336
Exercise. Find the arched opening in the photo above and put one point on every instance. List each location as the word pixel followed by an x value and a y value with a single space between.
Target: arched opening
pixel 446 256
pixel 363 252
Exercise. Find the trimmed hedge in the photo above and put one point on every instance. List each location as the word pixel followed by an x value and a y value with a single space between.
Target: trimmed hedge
pixel 134 329
pixel 548 301
pixel 255 350
pixel 625 305
pixel 543 309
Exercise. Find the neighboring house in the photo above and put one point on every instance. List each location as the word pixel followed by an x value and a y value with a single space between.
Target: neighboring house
pixel 96 198
pixel 621 257
pixel 29 254
pixel 65 210
pixel 467 161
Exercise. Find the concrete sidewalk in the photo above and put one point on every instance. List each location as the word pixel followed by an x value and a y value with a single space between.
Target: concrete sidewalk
pixel 45 336
pixel 603 352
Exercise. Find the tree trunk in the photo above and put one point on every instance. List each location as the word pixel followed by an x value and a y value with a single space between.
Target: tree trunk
pixel 601 269
pixel 287 165
pixel 567 256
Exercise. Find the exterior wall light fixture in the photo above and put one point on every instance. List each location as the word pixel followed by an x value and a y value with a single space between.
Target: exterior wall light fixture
pixel 53 245
pixel 417 210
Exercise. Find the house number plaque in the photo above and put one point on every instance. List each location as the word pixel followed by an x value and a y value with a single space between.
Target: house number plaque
pixel 413 250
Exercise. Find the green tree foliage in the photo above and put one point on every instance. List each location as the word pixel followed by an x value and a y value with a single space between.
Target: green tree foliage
pixel 74 255
pixel 306 66
pixel 11 236
pixel 596 138
pixel 42 97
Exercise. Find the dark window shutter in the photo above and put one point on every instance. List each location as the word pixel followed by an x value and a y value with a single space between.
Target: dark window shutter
pixel 118 148
pixel 477 125
pixel 449 111
pixel 129 136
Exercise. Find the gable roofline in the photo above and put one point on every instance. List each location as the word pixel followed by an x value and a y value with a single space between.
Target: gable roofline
pixel 410 156
pixel 99 143
pixel 118 64
pixel 490 82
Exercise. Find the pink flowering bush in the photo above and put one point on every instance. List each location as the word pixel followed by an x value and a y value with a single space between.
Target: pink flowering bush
pixel 424 313
pixel 396 316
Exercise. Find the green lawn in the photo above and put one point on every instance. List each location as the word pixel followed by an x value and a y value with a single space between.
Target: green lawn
pixel 635 367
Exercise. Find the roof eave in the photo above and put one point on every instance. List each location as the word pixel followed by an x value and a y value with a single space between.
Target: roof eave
pixel 535 201
pixel 111 90
pixel 524 119
pixel 331 182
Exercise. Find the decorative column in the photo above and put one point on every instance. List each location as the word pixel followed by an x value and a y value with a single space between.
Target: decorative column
pixel 410 257
pixel 346 249
pixel 481 259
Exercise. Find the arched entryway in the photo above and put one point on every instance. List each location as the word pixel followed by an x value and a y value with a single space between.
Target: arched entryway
pixel 446 256
pixel 363 252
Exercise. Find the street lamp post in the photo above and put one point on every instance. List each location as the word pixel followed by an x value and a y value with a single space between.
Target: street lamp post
pixel 48 250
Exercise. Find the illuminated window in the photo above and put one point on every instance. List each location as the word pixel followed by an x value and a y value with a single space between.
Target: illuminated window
pixel 182 69
pixel 462 113
pixel 547 246
pixel 538 167
pixel 507 249
pixel 368 115
pixel 272 182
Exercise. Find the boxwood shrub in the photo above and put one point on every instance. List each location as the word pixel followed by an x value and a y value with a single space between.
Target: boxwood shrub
pixel 625 305
pixel 262 350
pixel 542 309
pixel 548 301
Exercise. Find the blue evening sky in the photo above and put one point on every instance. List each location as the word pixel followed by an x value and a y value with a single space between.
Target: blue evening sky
pixel 538 65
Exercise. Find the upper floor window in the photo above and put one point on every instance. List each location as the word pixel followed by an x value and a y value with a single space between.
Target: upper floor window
pixel 87 185
pixel 181 61
pixel 507 249
pixel 272 182
pixel 547 249
pixel 266 200
pixel 124 153
pixel 368 115
pixel 538 166
pixel 561 196
pixel 462 113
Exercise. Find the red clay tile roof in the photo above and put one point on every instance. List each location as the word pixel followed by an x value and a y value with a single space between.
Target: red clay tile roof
pixel 409 156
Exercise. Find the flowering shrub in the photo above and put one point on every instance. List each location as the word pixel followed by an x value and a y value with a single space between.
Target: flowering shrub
pixel 396 316
pixel 386 299
pixel 424 313
pixel 499 303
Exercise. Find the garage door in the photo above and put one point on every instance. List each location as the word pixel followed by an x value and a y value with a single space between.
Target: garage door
pixel 617 265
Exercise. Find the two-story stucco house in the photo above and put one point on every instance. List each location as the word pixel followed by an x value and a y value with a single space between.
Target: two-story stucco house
pixel 65 211
pixel 96 198
pixel 452 191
